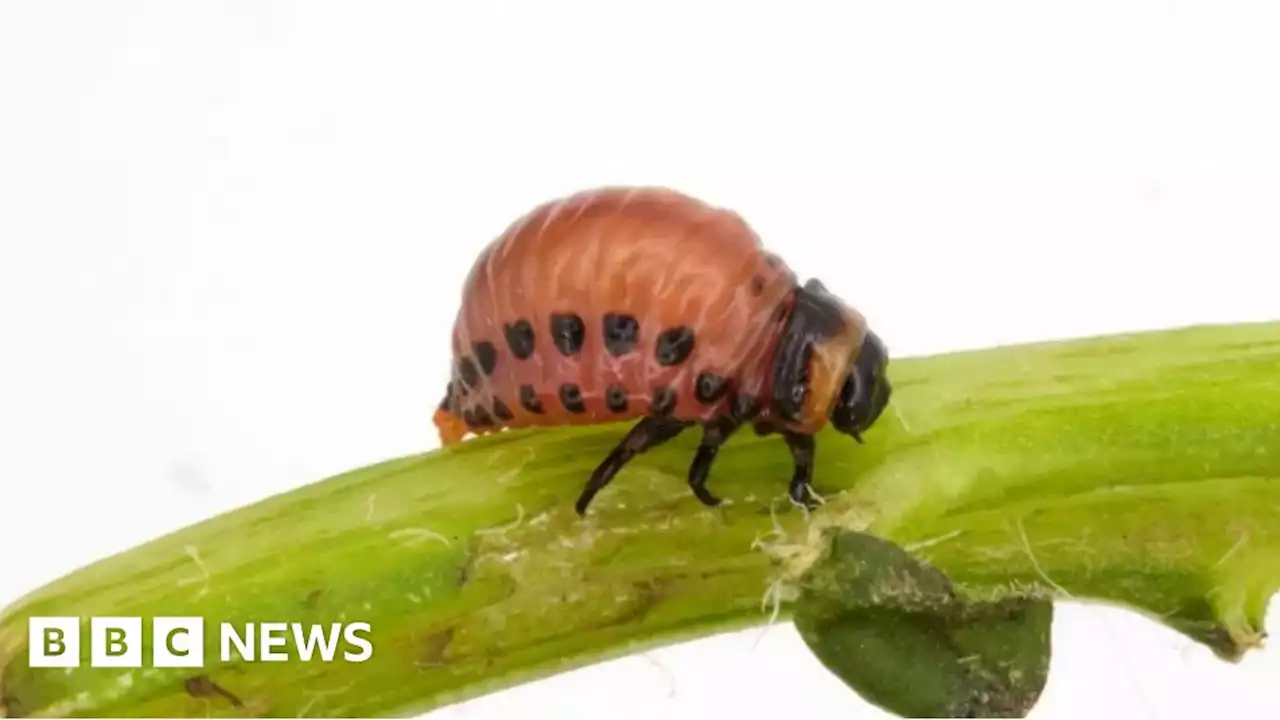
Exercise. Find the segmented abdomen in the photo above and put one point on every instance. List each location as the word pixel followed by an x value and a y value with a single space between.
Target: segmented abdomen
pixel 613 304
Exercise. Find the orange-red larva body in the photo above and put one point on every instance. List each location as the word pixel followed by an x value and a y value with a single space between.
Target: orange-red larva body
pixel 665 259
pixel 624 303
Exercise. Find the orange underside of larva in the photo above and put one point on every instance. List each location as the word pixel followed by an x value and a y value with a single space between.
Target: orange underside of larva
pixel 452 428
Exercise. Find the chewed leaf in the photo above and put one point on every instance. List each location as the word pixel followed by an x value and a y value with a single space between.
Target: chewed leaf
pixel 1202 557
pixel 893 629
pixel 1142 469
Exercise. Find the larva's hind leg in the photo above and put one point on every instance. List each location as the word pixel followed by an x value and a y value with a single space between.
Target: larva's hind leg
pixel 648 433
pixel 714 434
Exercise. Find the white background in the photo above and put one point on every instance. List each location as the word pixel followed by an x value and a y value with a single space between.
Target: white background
pixel 232 237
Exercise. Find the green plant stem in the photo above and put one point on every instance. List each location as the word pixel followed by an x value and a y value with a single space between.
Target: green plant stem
pixel 1141 469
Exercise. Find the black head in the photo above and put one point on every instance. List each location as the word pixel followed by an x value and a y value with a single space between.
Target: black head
pixel 866 390
pixel 828 368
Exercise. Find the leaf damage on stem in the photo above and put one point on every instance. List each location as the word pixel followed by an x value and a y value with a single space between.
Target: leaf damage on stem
pixel 1138 469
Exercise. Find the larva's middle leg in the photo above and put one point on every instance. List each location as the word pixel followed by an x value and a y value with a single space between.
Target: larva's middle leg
pixel 714 435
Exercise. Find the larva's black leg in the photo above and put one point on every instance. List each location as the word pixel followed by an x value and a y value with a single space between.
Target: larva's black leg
pixel 714 435
pixel 802 451
pixel 649 432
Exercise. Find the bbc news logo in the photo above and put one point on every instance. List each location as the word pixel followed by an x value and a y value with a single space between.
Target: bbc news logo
pixel 179 642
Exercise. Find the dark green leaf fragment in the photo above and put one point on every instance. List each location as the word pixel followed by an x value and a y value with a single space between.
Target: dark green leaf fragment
pixel 895 630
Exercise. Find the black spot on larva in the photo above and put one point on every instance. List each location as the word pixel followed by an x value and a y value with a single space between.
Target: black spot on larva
pixel 571 398
pixel 746 407
pixel 621 333
pixel 481 418
pixel 663 402
pixel 501 411
pixel 616 398
pixel 674 346
pixel 710 387
pixel 568 332
pixel 520 339
pixel 468 373
pixel 486 355
pixel 529 399
pixel 757 285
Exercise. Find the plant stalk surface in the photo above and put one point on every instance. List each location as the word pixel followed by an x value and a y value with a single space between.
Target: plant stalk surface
pixel 1141 470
